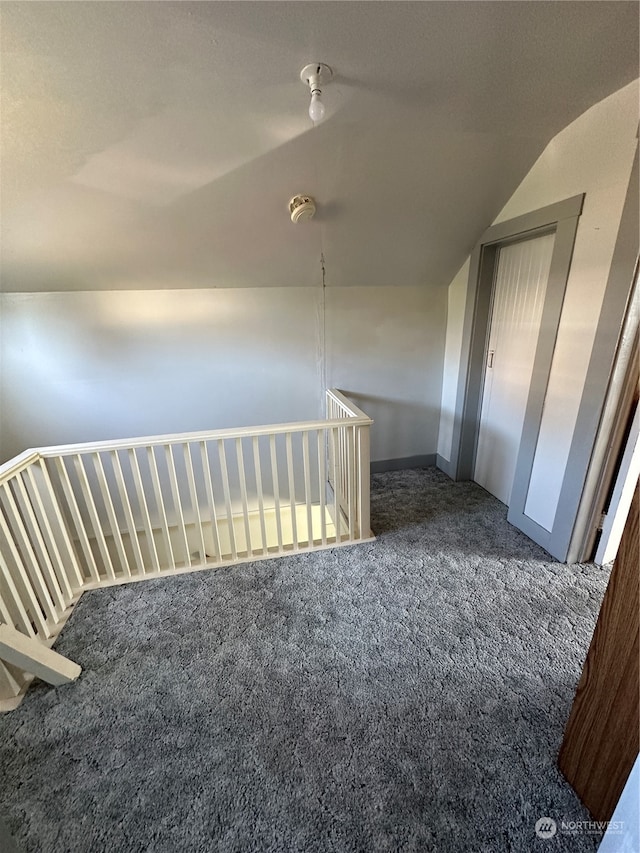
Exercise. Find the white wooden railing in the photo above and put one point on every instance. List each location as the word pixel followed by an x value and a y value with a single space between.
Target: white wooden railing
pixel 77 517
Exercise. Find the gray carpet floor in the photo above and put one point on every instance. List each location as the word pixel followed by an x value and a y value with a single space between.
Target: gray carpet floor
pixel 404 695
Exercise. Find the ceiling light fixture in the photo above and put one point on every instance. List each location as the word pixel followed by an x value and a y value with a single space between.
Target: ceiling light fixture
pixel 302 207
pixel 314 75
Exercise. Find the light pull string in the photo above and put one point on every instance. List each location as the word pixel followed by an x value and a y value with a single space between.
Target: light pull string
pixel 322 319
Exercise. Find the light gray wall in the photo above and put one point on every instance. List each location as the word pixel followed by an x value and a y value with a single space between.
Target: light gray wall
pixel 385 348
pixel 92 366
pixel 85 366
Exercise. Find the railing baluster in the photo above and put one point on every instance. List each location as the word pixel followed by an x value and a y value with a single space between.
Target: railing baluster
pixel 336 486
pixel 128 512
pixel 144 507
pixel 107 501
pixel 322 481
pixel 258 470
pixel 276 487
pixel 351 479
pixel 307 487
pixel 74 565
pixel 177 502
pixel 37 543
pixel 206 469
pixel 243 494
pixel 331 457
pixel 157 489
pixel 338 461
pixel 195 504
pixel 40 515
pixel 364 482
pixel 5 616
pixel 21 617
pixel 74 509
pixel 39 613
pixel 94 518
pixel 227 498
pixel 344 462
pixel 93 515
pixel 292 491
pixel 50 602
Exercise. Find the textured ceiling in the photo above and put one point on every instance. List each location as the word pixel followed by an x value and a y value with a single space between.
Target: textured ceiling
pixel 156 144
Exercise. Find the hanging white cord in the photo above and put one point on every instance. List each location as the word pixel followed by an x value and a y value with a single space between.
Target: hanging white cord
pixel 321 317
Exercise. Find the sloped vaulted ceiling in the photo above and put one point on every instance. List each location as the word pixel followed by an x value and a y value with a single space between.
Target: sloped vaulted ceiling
pixel 156 144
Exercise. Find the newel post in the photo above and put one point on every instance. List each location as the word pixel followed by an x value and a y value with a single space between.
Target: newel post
pixel 364 482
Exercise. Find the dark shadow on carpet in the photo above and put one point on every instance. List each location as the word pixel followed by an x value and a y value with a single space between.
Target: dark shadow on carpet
pixel 408 694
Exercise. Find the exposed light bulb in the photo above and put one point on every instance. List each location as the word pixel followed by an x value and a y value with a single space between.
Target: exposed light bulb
pixel 315 76
pixel 316 107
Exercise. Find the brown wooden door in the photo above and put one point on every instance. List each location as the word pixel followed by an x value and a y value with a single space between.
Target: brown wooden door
pixel 602 739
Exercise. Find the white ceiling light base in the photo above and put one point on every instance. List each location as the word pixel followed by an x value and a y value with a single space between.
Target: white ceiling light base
pixel 319 70
pixel 315 75
pixel 302 207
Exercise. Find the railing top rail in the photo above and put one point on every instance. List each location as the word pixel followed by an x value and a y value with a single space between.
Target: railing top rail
pixel 346 403
pixel 206 435
pixel 18 463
